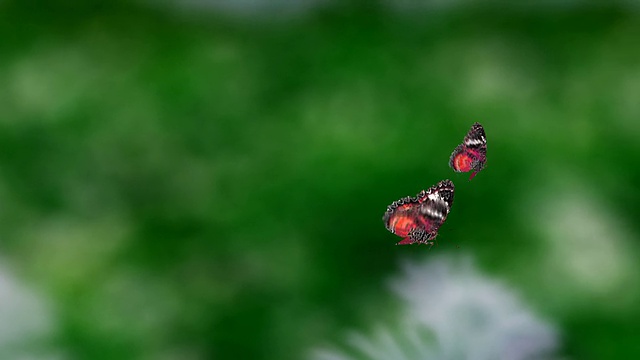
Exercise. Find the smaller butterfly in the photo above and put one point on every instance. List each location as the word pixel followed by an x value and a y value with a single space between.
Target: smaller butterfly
pixel 417 219
pixel 472 153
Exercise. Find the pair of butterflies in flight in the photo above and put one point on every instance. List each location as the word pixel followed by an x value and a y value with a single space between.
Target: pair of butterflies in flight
pixel 417 219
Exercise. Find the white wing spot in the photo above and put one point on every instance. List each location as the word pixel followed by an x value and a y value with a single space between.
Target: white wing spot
pixel 473 142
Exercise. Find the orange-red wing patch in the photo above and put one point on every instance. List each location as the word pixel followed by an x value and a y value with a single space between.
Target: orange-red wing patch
pixel 462 162
pixel 401 224
pixel 405 241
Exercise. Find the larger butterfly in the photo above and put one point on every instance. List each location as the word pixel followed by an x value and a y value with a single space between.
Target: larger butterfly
pixel 417 219
pixel 471 155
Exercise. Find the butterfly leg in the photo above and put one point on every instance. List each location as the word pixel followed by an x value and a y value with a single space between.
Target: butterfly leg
pixel 431 239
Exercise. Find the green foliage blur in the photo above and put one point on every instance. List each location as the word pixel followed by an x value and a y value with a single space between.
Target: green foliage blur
pixel 191 185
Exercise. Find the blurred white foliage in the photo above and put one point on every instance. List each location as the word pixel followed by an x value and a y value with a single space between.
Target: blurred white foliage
pixel 26 322
pixel 453 312
pixel 590 250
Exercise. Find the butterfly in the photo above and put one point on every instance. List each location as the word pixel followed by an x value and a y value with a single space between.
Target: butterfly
pixel 472 153
pixel 417 219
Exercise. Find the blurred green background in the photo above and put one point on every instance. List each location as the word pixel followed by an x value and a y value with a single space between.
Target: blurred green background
pixel 184 182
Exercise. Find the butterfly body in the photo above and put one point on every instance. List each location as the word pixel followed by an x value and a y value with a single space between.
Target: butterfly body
pixel 471 155
pixel 417 219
